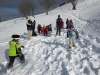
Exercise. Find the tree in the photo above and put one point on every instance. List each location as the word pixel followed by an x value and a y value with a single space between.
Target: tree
pixel 74 3
pixel 26 7
pixel 47 4
pixel 33 6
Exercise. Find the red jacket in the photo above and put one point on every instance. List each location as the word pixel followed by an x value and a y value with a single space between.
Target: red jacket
pixel 44 30
pixel 62 24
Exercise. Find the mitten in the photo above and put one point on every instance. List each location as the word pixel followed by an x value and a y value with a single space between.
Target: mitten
pixel 22 46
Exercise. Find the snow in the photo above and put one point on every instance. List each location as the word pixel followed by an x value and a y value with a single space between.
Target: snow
pixel 49 55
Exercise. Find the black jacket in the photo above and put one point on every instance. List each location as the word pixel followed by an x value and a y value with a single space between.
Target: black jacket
pixel 29 25
pixel 49 28
pixel 59 22
pixel 33 25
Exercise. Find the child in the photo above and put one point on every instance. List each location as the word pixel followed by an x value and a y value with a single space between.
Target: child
pixel 67 24
pixel 49 28
pixel 44 30
pixel 72 37
pixel 15 51
pixel 39 29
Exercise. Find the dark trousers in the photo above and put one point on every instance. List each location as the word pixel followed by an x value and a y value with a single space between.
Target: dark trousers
pixel 58 30
pixel 33 32
pixel 39 30
pixel 12 59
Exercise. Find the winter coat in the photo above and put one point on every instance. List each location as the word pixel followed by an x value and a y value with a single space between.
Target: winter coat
pixel 70 33
pixel 44 30
pixel 49 28
pixel 29 25
pixel 14 48
pixel 39 28
pixel 59 22
pixel 67 25
pixel 33 25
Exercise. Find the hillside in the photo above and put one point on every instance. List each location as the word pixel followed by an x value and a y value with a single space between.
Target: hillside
pixel 50 55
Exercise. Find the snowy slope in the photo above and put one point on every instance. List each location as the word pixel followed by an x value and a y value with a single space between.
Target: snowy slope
pixel 49 55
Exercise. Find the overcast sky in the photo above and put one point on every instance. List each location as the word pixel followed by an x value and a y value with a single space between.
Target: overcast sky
pixel 9 3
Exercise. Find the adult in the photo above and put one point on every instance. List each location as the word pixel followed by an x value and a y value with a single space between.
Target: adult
pixel 58 25
pixel 33 28
pixel 29 28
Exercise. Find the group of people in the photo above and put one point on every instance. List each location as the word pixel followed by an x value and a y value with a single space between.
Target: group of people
pixel 46 30
pixel 15 46
pixel 31 28
pixel 72 33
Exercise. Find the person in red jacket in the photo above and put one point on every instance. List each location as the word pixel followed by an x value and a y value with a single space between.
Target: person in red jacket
pixel 62 24
pixel 44 30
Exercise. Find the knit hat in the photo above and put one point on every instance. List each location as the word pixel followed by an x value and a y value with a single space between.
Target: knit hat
pixel 71 21
pixel 15 36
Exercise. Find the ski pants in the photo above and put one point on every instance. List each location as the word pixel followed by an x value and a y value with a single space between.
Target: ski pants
pixel 72 42
pixel 58 30
pixel 12 59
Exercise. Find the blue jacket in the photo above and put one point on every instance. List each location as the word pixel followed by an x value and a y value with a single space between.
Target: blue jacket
pixel 70 33
pixel 71 25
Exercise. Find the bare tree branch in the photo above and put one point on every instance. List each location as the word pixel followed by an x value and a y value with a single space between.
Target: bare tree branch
pixel 73 2
pixel 47 4
pixel 26 7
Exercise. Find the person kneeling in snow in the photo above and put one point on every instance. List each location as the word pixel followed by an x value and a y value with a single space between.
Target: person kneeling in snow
pixel 15 51
pixel 49 28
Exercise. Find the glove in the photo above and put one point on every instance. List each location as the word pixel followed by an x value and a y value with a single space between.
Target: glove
pixel 20 54
pixel 22 46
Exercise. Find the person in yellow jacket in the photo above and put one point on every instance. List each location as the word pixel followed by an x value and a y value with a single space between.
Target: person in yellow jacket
pixel 15 51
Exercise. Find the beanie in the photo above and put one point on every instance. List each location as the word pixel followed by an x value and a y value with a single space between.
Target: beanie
pixel 15 36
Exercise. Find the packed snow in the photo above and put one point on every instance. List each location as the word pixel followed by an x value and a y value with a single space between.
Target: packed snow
pixel 50 55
